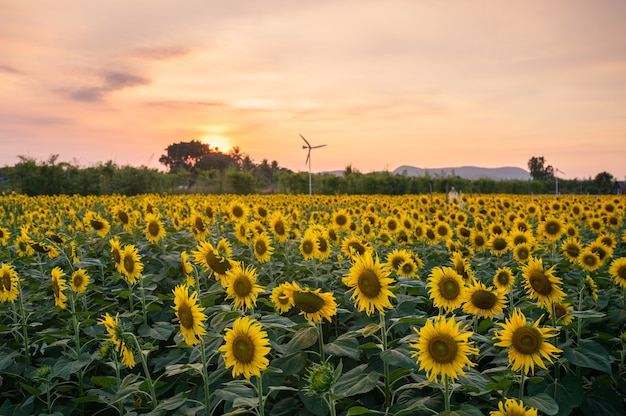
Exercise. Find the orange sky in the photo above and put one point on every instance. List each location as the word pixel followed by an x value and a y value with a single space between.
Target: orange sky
pixel 428 83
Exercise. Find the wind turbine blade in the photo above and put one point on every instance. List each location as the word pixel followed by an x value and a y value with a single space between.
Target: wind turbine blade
pixel 308 157
pixel 315 147
pixel 307 143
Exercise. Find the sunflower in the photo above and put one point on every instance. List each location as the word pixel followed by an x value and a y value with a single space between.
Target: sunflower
pixel 512 407
pixel 608 239
pixel 154 230
pixel 526 343
pixel 187 268
pixel 443 231
pixel 542 284
pixel 369 281
pixel 281 300
pixel 279 227
pixel 478 239
pixel 443 348
pixel 58 286
pixel 591 287
pixel 354 246
pixel 498 244
pixel 198 227
pixel 341 219
pixel 131 265
pixel 562 311
pixel 462 266
pixel 190 315
pixel 522 252
pixel 9 290
pixel 241 286
pixel 571 248
pixel 262 248
pixel 116 252
pixel 120 213
pixel 603 251
pixel 4 236
pixel 245 348
pixel 116 335
pixel 483 300
pixel 504 279
pixel 551 229
pixel 208 257
pixel 617 270
pixel 447 289
pixel 224 247
pixel 463 232
pixel 313 304
pixel 242 232
pixel 80 280
pixel 396 257
pixel 323 245
pixel 99 224
pixel 43 248
pixel 589 260
pixel 309 246
pixel 237 211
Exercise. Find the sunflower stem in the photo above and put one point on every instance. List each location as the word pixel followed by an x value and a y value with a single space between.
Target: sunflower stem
pixel 78 349
pixel 120 404
pixel 383 333
pixel 446 393
pixel 205 378
pixel 146 370
pixel 330 402
pixel 521 385
pixel 320 336
pixel 143 301
pixel 24 325
pixel 259 386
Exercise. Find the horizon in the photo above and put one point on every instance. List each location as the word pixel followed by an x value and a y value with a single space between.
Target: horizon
pixel 420 83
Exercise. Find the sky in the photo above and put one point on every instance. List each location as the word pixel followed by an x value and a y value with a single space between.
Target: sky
pixel 426 83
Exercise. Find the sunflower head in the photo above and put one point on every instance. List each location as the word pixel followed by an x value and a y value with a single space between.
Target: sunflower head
pixel 512 407
pixel 245 347
pixel 321 378
pixel 369 281
pixel 314 305
pixel 446 288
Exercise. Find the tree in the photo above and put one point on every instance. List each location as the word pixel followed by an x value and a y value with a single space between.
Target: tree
pixel 604 182
pixel 538 170
pixel 184 155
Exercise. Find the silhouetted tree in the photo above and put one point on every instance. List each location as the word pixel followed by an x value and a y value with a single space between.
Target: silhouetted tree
pixel 184 155
pixel 604 182
pixel 538 168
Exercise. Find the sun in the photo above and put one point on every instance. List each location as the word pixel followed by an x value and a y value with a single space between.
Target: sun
pixel 217 142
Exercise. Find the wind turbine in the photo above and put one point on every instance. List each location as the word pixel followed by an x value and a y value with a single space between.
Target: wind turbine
pixel 308 159
pixel 556 180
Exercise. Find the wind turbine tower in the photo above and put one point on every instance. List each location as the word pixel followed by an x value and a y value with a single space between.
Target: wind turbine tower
pixel 556 180
pixel 308 159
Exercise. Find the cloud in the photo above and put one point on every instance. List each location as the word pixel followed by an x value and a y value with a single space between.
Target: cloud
pixel 161 53
pixel 8 69
pixel 109 82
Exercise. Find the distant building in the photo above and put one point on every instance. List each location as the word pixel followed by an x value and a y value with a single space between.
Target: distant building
pixel 618 188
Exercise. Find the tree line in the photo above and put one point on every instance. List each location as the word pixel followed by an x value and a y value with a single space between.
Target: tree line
pixel 195 167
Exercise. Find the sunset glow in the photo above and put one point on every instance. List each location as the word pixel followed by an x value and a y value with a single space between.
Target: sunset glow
pixel 430 84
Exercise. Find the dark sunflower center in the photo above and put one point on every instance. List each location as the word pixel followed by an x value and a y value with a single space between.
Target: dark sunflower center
pixel 323 244
pixel 523 253
pixel 116 255
pixel 243 349
pixel 465 232
pixel 396 262
pixel 78 280
pixel 559 310
pixel 279 228
pixel 600 252
pixel 499 244
pixel 527 340
pixel 283 299
pixel 503 278
pixel 540 283
pixel 442 230
pixel 392 225
pixel 307 247
pixel 341 220
pixel 442 349
pixel 153 228
pixel 407 267
pixel 129 264
pixel 55 288
pixel 519 239
pixel 357 247
pixel 590 260
pixel 430 234
pixel 484 299
pixel 39 248
pixel 572 250
pixel 260 247
pixel 208 211
pixel 479 240
pixel 199 224
pixel 242 286
pixel 185 316
pixel 6 281
pixel 218 264
pixel 449 288
pixel 621 272
pixel 122 216
pixel 237 212
pixel 308 302
pixel 262 212
pixel 369 285
pixel 97 225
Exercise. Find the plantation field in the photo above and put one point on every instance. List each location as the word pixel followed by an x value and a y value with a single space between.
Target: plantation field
pixel 298 305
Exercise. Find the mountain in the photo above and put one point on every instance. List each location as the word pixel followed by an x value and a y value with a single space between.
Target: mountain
pixel 467 172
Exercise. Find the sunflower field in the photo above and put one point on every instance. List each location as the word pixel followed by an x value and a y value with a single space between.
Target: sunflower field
pixel 324 305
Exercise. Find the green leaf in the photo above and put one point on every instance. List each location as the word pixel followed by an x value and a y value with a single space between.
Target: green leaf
pixel 398 359
pixel 303 339
pixel 567 392
pixel 589 354
pixel 346 347
pixel 587 314
pixel 360 410
pixel 542 402
pixel 63 368
pixel 160 330
pixel 357 381
pixel 104 381
pixel 291 363
pixel 7 359
pixel 89 262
